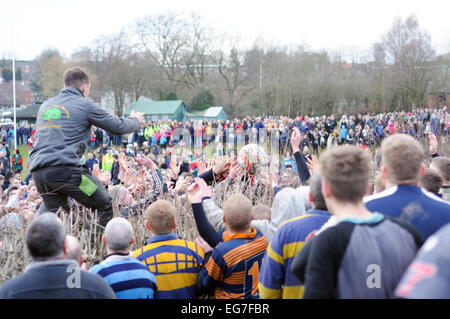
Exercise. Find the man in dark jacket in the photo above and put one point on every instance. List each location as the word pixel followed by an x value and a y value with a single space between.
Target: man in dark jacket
pixel 91 161
pixel 51 275
pixel 63 130
pixel 115 170
pixel 98 137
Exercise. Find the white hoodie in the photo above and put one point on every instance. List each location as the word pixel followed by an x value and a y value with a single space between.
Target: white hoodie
pixel 288 203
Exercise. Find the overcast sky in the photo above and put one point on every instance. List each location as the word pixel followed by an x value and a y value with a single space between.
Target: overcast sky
pixel 332 25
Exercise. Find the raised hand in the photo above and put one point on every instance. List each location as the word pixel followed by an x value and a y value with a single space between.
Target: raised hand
pixel 127 177
pixel 123 161
pixel 182 184
pixel 100 174
pixel 126 197
pixel 139 116
pixel 140 190
pixel 194 193
pixel 175 170
pixel 236 170
pixel 295 140
pixel 312 163
pixel 202 243
pixel 220 166
pixel 95 169
pixel 433 143
pixel 205 189
pixel 145 161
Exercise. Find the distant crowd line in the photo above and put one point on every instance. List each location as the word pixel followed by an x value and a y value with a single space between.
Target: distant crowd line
pixel 337 234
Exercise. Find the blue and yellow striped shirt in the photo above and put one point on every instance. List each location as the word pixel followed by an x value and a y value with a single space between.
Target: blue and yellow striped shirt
pixel 175 263
pixel 275 278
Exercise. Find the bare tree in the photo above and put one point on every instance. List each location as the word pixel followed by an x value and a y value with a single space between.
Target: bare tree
pixel 50 67
pixel 111 59
pixel 236 77
pixel 409 49
pixel 176 55
pixel 178 45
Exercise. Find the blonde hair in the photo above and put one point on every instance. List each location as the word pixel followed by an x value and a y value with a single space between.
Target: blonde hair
pixel 402 157
pixel 161 217
pixel 238 211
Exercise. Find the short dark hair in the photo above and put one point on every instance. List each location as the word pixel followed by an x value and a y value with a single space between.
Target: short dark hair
pixel 45 237
pixel 432 181
pixel 75 77
pixel 315 187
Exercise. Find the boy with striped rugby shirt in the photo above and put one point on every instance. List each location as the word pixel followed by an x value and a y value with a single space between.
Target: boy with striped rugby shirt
pixel 175 262
pixel 128 277
pixel 232 270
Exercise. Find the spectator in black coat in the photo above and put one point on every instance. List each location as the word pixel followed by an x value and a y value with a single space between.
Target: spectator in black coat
pixel 115 170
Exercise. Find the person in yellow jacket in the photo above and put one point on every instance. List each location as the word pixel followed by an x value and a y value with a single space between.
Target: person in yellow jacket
pixel 107 161
pixel 271 125
pixel 148 132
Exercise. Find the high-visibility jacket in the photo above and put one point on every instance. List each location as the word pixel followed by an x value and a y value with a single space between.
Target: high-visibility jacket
pixel 107 162
pixel 148 132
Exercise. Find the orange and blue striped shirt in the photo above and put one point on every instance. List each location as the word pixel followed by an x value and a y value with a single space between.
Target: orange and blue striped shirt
pixel 233 267
pixel 175 262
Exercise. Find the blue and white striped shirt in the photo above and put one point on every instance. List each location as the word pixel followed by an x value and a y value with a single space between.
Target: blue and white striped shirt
pixel 128 277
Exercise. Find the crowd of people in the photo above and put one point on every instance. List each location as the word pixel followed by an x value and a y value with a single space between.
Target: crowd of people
pixel 317 132
pixel 155 141
pixel 317 245
pixel 325 219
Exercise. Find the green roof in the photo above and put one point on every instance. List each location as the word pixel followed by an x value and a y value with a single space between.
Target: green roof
pixel 155 107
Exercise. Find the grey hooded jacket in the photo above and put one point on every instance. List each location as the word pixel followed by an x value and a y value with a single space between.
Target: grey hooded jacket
pixel 288 203
pixel 64 128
